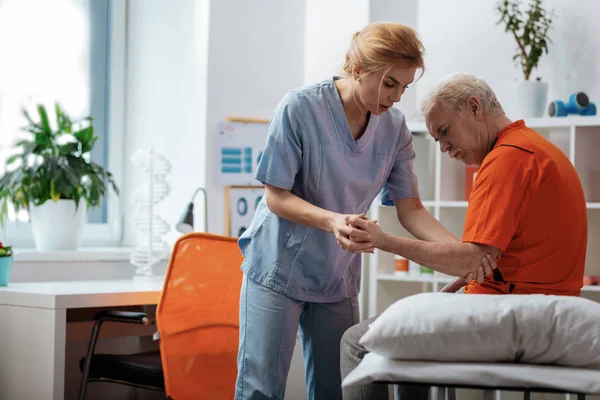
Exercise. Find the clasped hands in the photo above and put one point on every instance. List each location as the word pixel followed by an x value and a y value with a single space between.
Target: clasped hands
pixel 359 234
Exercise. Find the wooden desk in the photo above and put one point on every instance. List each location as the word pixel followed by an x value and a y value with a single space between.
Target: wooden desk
pixel 33 319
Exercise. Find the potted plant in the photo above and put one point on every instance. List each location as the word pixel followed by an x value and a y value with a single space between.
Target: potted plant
pixel 53 177
pixel 5 263
pixel 530 31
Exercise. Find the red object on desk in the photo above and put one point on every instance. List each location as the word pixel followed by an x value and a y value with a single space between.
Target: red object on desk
pixel 591 280
pixel 470 175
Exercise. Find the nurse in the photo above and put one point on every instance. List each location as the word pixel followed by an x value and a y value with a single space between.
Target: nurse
pixel 332 147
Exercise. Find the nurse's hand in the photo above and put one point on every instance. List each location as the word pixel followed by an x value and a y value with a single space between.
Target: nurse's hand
pixel 343 232
pixel 374 231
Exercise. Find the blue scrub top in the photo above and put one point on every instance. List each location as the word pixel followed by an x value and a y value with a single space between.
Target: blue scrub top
pixel 311 152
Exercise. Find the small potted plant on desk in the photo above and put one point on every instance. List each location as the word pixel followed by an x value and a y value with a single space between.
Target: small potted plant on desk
pixel 6 259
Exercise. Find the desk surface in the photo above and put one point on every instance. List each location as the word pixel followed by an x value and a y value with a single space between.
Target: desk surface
pixel 81 294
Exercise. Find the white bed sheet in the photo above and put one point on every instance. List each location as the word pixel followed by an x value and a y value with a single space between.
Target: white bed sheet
pixel 570 380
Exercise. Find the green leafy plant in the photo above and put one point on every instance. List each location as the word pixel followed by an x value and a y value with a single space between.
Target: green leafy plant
pixel 530 31
pixel 53 164
pixel 5 251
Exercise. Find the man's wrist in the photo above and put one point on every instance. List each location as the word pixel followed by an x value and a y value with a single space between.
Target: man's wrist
pixel 385 244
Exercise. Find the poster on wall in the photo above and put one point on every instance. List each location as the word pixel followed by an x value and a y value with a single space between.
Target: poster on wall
pixel 239 148
pixel 240 208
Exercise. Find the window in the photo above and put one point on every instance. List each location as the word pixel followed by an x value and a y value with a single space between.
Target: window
pixel 73 52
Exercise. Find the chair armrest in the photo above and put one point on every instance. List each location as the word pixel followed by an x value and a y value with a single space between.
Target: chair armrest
pixel 130 317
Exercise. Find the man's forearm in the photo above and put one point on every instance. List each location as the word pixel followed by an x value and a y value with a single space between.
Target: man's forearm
pixel 424 226
pixel 448 258
pixel 417 220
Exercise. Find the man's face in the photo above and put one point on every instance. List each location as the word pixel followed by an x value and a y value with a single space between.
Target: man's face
pixel 462 135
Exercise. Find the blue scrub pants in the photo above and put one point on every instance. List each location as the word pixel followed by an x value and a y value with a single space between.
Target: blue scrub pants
pixel 268 325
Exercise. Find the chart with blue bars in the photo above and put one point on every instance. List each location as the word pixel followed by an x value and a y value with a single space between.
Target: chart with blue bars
pixel 235 160
pixel 239 149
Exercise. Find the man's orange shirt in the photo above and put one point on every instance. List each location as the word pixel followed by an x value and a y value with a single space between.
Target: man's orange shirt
pixel 528 202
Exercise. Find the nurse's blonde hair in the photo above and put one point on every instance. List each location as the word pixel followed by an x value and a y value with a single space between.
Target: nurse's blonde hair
pixel 382 45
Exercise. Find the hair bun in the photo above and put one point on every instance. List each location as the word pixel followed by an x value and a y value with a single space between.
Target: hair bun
pixel 381 44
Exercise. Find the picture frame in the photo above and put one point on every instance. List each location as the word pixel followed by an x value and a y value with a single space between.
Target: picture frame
pixel 240 205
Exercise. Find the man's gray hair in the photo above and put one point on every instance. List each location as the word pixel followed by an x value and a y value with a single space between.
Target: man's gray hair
pixel 453 91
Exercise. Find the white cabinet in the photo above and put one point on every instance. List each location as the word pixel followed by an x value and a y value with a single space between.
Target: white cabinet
pixel 442 187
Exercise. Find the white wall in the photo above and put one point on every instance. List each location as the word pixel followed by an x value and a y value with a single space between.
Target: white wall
pixel 328 31
pixel 255 57
pixel 462 36
pixel 166 97
pixel 404 11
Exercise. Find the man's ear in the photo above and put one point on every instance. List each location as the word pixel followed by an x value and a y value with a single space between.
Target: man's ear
pixel 474 107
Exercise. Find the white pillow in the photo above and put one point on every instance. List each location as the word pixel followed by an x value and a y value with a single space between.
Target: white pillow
pixel 537 329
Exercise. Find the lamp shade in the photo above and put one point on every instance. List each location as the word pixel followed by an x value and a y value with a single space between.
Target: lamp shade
pixel 186 222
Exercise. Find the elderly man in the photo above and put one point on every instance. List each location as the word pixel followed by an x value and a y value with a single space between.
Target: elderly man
pixel 527 204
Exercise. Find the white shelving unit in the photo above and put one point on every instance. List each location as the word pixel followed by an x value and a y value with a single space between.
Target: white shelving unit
pixel 442 188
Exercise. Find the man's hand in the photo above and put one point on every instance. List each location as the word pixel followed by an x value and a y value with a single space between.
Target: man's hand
pixel 488 264
pixel 349 237
pixel 477 273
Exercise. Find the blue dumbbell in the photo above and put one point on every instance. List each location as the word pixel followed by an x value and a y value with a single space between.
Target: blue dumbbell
pixel 578 103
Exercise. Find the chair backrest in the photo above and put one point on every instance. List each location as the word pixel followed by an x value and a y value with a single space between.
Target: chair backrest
pixel 198 317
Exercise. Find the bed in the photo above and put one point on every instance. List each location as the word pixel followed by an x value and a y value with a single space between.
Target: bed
pixel 526 378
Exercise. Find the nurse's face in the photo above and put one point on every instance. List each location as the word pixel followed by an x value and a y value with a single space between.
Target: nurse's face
pixel 378 91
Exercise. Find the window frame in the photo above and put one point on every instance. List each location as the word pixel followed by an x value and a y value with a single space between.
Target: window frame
pixel 110 233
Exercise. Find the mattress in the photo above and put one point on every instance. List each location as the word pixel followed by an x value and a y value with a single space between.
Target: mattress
pixel 375 368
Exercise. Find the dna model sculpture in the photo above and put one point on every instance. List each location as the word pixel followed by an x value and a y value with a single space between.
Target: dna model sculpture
pixel 149 227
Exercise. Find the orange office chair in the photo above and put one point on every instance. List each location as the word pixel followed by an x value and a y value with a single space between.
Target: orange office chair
pixel 198 317
pixel 198 323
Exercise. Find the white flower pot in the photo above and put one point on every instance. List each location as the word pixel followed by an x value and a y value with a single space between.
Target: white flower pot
pixel 58 225
pixel 525 99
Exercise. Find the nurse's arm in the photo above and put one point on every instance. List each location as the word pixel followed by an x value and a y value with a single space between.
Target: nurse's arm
pixel 287 205
pixel 415 218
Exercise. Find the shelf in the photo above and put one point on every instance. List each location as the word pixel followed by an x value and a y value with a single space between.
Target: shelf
pixel 534 123
pixel 447 204
pixel 562 122
pixel 464 204
pixel 417 126
pixel 442 186
pixel 454 204
pixel 409 278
